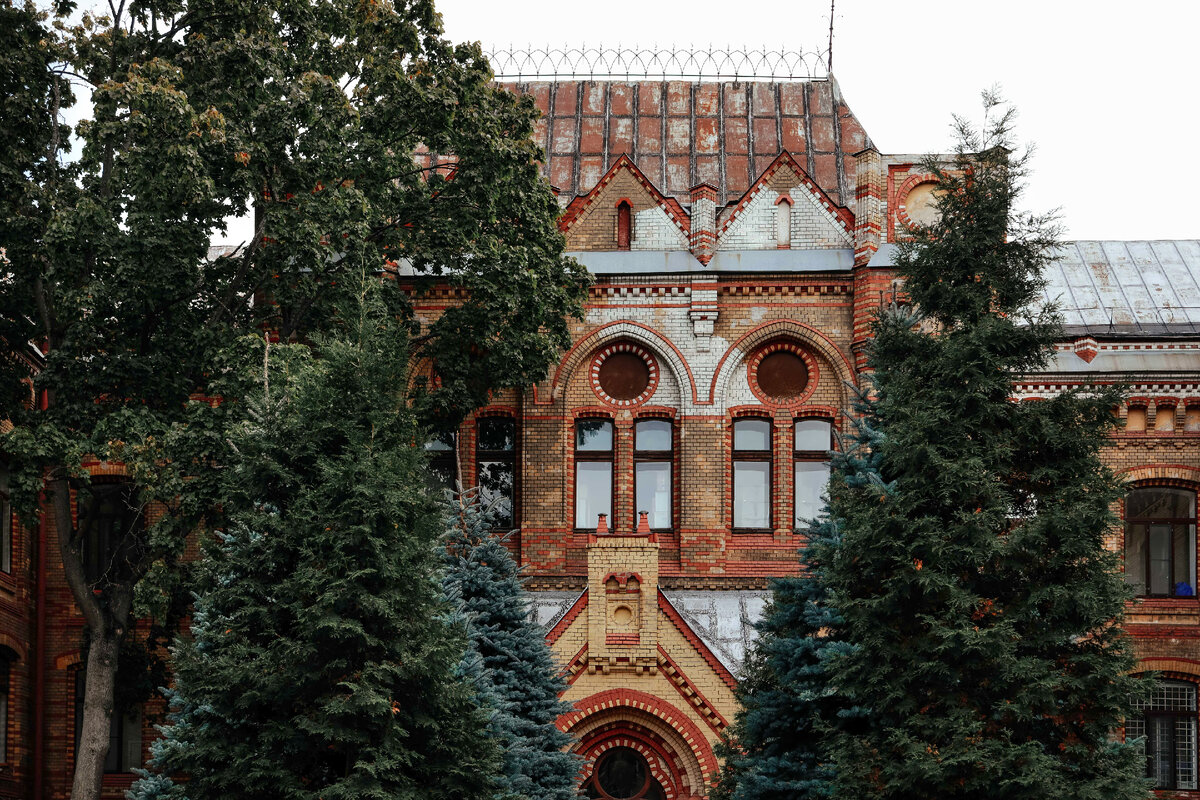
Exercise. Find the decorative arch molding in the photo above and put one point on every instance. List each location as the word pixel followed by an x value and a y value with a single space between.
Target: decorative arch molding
pixel 1171 667
pixel 778 329
pixel 664 350
pixel 668 776
pixel 19 648
pixel 1182 473
pixel 652 713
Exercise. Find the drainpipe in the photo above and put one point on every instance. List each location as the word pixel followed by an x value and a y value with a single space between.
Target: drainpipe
pixel 39 651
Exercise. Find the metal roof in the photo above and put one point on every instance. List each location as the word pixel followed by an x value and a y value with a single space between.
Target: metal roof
pixel 1130 288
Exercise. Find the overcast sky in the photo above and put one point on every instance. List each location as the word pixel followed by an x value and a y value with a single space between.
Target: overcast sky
pixel 1107 91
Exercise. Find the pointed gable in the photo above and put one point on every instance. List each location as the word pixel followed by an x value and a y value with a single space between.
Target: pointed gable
pixel 657 222
pixel 815 221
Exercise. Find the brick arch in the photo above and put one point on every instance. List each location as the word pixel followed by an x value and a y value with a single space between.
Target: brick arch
pixel 1184 474
pixel 1171 667
pixel 699 764
pixel 664 351
pixel 789 329
pixel 668 776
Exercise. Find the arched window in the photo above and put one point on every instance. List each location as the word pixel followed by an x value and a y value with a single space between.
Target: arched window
pixel 783 223
pixel 623 225
pixel 752 474
pixel 813 439
pixel 1167 720
pixel 1160 541
pixel 112 525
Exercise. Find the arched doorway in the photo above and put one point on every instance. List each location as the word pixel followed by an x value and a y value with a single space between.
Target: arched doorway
pixel 622 773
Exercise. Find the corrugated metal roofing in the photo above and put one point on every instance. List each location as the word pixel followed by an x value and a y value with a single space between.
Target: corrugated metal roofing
pixel 681 133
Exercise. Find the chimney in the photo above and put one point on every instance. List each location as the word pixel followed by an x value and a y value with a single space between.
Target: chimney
pixel 702 236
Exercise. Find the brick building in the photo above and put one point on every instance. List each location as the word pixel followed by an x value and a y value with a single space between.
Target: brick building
pixel 741 239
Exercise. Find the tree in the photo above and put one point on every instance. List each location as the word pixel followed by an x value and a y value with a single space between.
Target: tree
pixel 310 116
pixel 973 583
pixel 323 658
pixel 779 746
pixel 516 672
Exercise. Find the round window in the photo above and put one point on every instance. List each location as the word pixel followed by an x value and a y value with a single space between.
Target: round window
pixel 622 773
pixel 624 374
pixel 782 374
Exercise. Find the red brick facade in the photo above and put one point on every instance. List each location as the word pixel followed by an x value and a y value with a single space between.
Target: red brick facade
pixel 761 216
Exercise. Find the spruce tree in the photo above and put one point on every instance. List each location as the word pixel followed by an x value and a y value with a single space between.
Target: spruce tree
pixel 981 606
pixel 516 673
pixel 323 656
pixel 779 745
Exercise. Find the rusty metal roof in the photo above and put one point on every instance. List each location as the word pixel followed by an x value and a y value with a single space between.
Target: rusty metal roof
pixel 1140 288
pixel 682 133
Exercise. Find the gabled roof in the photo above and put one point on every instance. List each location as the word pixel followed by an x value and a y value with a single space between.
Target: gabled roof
pixel 682 133
pixel 818 195
pixel 579 205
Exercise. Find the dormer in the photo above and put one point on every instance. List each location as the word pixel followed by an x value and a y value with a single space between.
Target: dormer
pixel 624 211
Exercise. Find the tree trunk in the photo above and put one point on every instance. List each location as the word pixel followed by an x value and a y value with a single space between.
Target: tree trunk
pixel 98 694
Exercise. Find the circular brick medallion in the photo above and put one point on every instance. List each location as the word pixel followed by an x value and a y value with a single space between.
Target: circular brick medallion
pixel 624 374
pixel 782 374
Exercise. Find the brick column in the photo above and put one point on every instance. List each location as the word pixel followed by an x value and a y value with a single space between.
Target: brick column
pixel 702 238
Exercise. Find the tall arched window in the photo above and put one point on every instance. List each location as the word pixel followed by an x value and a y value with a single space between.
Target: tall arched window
pixel 1160 541
pixel 623 225
pixel 783 223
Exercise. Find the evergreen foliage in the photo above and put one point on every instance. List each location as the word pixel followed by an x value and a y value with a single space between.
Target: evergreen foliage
pixel 779 747
pixel 516 670
pixel 324 659
pixel 981 606
pixel 354 135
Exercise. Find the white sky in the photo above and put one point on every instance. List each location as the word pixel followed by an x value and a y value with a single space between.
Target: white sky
pixel 1107 91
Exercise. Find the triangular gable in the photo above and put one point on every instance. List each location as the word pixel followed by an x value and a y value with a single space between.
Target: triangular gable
pixel 582 207
pixel 839 220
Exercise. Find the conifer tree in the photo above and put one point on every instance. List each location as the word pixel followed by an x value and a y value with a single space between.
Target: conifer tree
pixel 779 745
pixel 981 606
pixel 323 658
pixel 516 674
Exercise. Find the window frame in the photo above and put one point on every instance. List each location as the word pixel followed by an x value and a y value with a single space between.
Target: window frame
pixel 655 457
pixel 808 456
pixel 609 456
pixel 1193 714
pixel 123 489
pixel 437 458
pixel 1129 521
pixel 506 456
pixel 767 455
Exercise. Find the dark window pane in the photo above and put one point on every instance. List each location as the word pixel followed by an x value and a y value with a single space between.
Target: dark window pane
pixel 751 434
pixel 813 434
pixel 1161 503
pixel 593 492
pixel 1183 545
pixel 497 434
pixel 652 435
pixel 751 494
pixel 622 773
pixel 654 492
pixel 112 522
pixel 594 435
pixel 496 483
pixel 811 479
pixel 1135 557
pixel 1160 559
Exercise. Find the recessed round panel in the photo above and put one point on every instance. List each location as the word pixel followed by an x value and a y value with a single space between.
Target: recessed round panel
pixel 624 376
pixel 782 375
